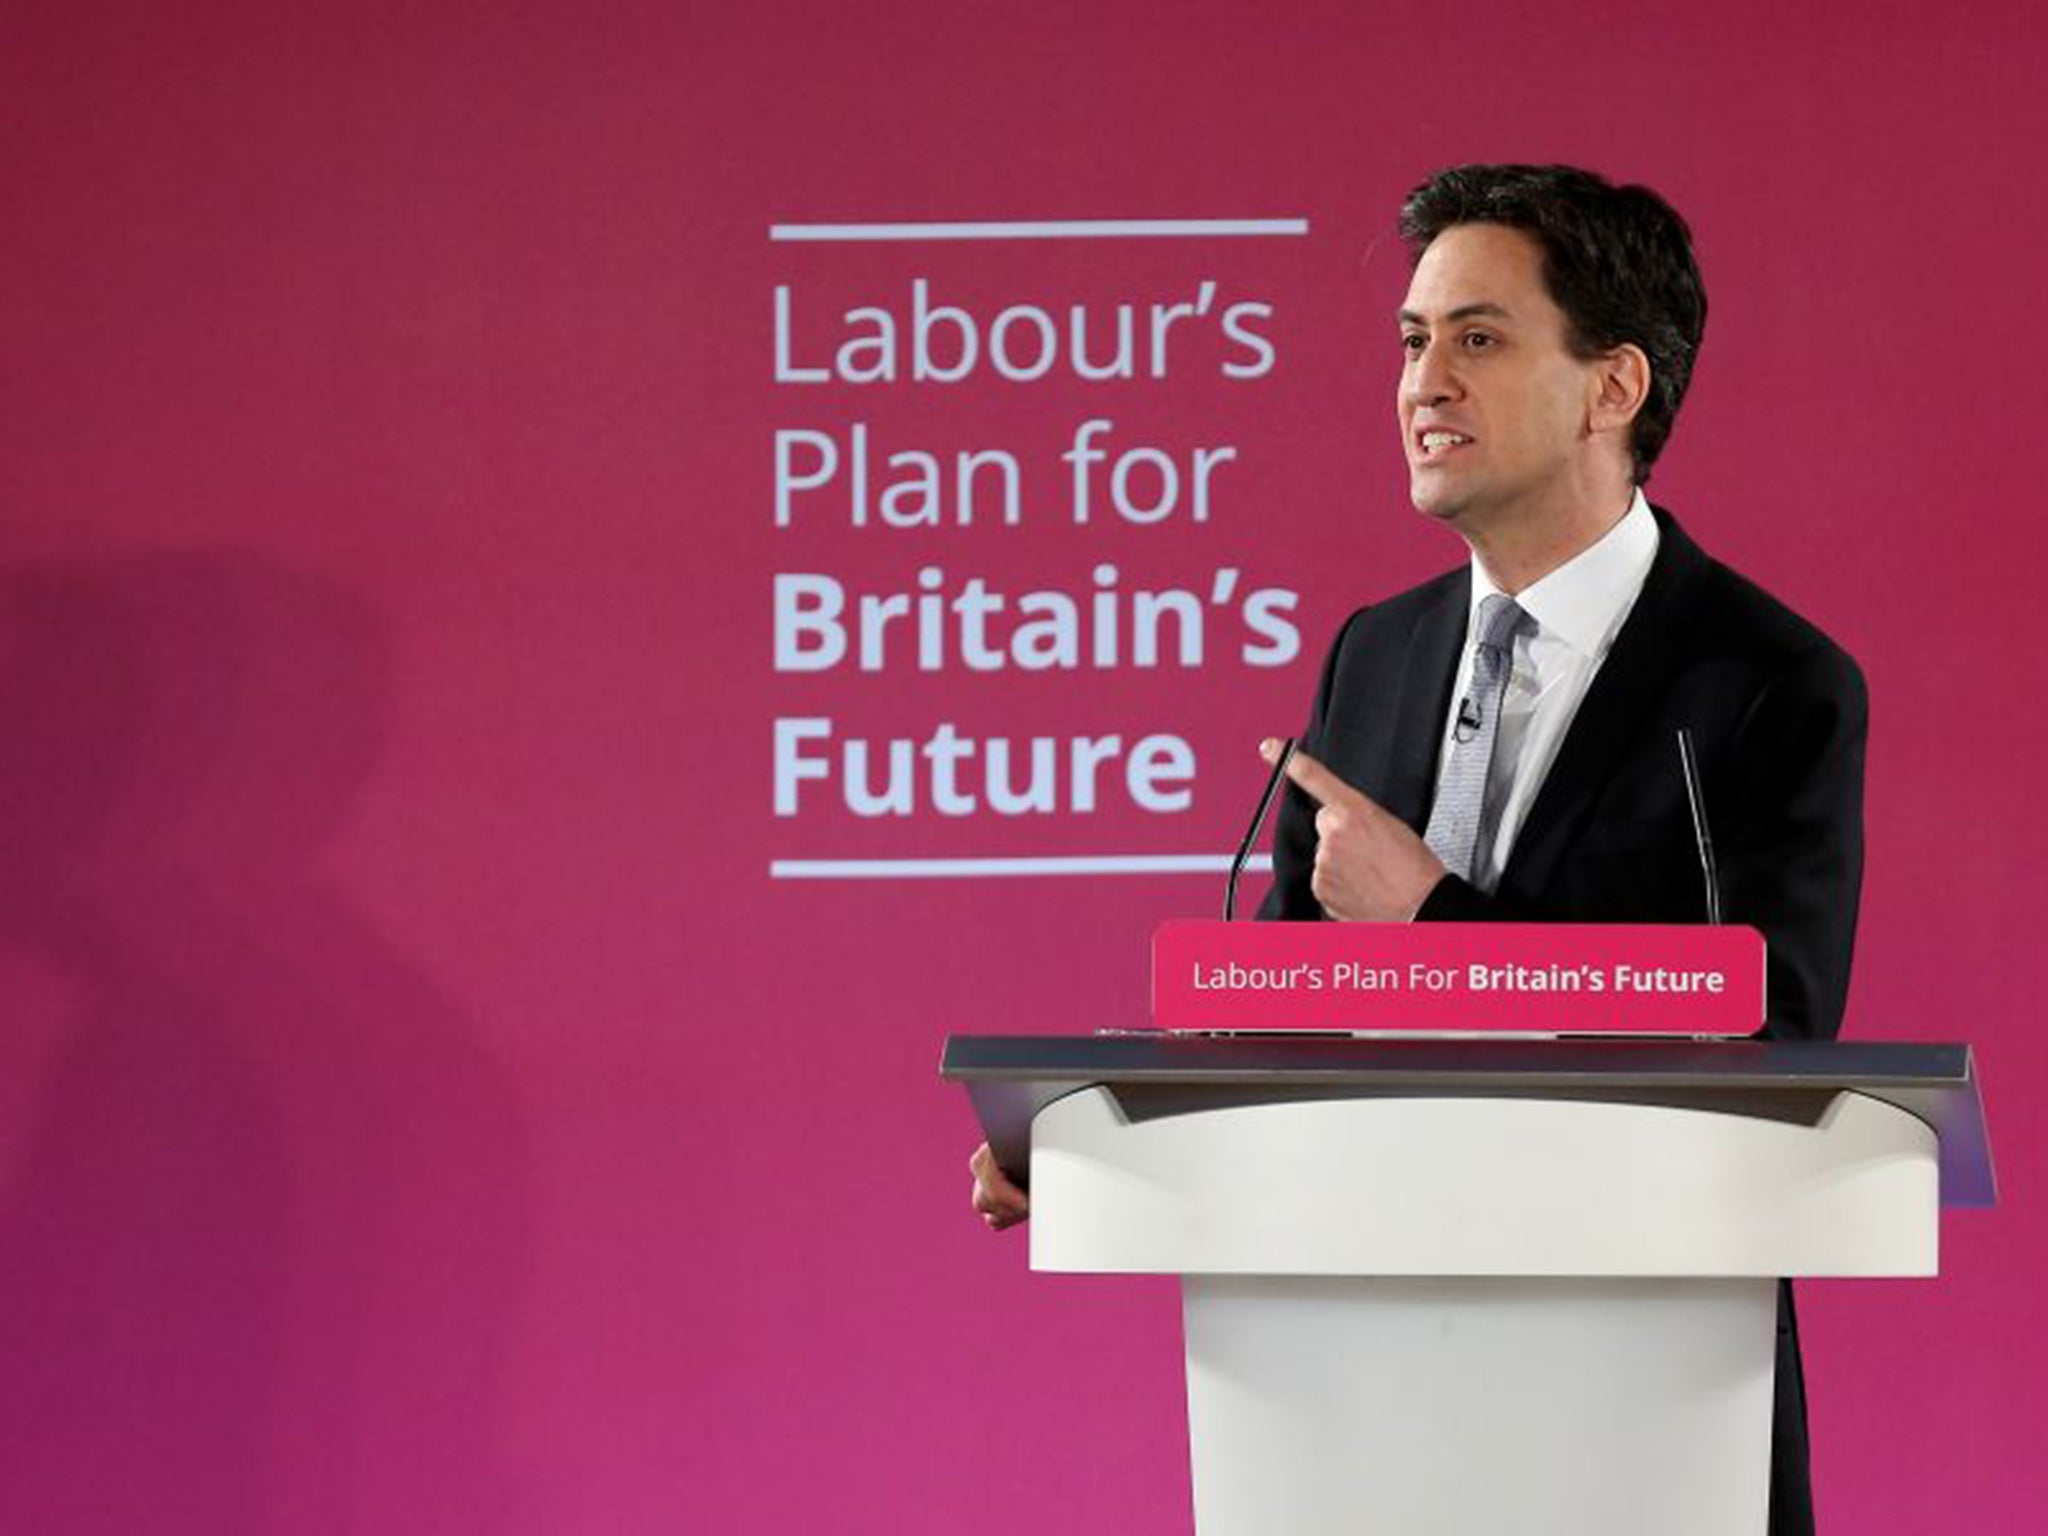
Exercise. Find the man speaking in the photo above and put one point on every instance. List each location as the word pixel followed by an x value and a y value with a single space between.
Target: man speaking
pixel 1502 743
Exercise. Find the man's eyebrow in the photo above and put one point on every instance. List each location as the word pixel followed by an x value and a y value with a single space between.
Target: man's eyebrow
pixel 1462 312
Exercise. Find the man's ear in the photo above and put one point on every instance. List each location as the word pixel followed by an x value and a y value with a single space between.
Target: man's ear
pixel 1621 383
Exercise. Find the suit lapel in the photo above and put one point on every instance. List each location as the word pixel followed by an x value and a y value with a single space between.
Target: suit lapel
pixel 1622 695
pixel 1423 701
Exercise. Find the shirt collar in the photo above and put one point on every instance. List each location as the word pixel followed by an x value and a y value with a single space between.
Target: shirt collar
pixel 1584 601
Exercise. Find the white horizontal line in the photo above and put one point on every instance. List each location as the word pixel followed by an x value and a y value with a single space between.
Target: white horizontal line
pixel 1042 229
pixel 988 869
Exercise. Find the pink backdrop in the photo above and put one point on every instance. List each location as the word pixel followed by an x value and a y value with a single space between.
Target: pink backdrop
pixel 422 1112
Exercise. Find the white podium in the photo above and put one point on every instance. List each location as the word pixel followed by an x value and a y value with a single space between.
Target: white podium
pixel 1454 1288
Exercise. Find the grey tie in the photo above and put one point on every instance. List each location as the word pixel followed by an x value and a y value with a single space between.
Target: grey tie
pixel 1454 820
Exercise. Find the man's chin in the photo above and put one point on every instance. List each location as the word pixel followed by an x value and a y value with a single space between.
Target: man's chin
pixel 1434 500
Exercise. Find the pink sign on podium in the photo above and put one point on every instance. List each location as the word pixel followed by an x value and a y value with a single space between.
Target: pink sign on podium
pixel 1534 978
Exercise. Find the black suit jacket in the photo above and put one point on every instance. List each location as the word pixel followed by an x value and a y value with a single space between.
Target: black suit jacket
pixel 1777 712
pixel 1779 716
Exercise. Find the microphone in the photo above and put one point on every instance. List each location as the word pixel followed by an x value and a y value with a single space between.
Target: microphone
pixel 1695 797
pixel 1251 833
pixel 1469 720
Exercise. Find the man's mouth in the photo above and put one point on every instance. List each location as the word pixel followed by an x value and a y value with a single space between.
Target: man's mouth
pixel 1437 440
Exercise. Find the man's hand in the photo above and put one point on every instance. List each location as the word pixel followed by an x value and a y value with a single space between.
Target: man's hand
pixel 1001 1203
pixel 1370 866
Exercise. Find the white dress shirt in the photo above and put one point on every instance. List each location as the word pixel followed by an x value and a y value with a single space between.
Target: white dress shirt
pixel 1578 609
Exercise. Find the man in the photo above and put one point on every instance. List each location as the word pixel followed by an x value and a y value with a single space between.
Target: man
pixel 1502 742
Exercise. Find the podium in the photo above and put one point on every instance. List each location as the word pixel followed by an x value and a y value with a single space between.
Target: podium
pixel 1466 1287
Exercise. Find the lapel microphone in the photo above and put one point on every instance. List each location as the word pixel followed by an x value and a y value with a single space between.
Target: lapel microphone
pixel 1469 720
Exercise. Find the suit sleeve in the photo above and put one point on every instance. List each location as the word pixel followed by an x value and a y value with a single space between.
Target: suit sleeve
pixel 1792 865
pixel 1294 832
pixel 1787 809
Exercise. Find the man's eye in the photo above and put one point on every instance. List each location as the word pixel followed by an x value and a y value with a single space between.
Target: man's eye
pixel 1413 342
pixel 1478 341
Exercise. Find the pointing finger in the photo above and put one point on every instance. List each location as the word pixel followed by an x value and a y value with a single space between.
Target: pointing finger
pixel 1317 781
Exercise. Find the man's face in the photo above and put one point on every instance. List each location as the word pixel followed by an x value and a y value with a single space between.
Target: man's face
pixel 1493 405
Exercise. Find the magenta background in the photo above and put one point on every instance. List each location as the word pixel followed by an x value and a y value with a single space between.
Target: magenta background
pixel 419 1110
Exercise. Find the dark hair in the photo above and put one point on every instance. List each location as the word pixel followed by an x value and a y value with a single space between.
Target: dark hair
pixel 1617 260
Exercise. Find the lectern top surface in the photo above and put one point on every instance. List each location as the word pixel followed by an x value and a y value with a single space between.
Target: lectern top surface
pixel 1011 1077
pixel 1159 1056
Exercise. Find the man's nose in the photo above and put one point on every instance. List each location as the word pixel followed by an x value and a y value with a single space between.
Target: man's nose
pixel 1430 377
